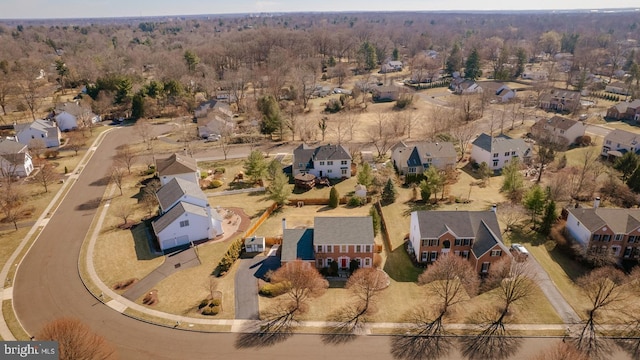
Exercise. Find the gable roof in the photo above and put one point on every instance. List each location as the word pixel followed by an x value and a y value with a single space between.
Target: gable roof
pixel 177 188
pixel 623 137
pixel 172 215
pixel 343 230
pixel 556 122
pixel 176 164
pixel 12 147
pixel 561 94
pixel 307 155
pixel 415 154
pixel 480 225
pixel 297 244
pixel 501 144
pixel 621 221
pixel 39 124
pixel 618 84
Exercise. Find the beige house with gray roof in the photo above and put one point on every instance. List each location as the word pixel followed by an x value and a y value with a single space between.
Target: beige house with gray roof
pixel 497 151
pixel 415 158
pixel 179 166
pixel 559 130
pixel 618 142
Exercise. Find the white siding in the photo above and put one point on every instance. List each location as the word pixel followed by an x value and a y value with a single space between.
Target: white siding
pixel 66 121
pixel 577 230
pixel 480 155
pixel 200 228
pixel 335 169
pixel 414 233
pixel 192 176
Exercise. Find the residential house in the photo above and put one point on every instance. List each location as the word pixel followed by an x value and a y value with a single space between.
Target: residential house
pixel 332 161
pixel 386 93
pixel 214 125
pixel 391 66
pixel 560 100
pixel 473 235
pixel 463 86
pixel 601 230
pixel 254 244
pixel 185 215
pixel 535 75
pixel 44 130
pixel 81 115
pixel 559 130
pixel 66 121
pixel 339 239
pixel 177 166
pixel 14 159
pixel 215 106
pixel 497 91
pixel 499 150
pixel 618 142
pixel 625 111
pixel 183 224
pixel 617 87
pixel 415 158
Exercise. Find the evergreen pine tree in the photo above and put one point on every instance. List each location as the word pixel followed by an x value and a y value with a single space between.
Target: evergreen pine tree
pixel 548 219
pixel 389 192
pixel 334 197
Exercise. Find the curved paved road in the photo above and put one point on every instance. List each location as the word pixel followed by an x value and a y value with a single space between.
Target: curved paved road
pixel 47 286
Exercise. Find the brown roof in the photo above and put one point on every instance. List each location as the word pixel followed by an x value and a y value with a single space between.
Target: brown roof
pixel 557 122
pixel 176 164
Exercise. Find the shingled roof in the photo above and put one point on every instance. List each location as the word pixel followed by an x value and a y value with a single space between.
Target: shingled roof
pixel 172 215
pixel 356 230
pixel 306 155
pixel 482 226
pixel 176 164
pixel 176 189
pixel 621 221
pixel 297 244
pixel 502 143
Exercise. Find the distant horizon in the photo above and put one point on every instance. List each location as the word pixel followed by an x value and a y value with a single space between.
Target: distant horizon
pixel 105 9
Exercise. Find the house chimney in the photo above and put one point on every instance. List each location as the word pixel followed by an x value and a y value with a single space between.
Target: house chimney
pixel 284 224
pixel 494 208
pixel 596 202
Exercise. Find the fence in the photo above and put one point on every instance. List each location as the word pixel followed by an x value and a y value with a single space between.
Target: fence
pixel 317 201
pixel 383 227
pixel 262 219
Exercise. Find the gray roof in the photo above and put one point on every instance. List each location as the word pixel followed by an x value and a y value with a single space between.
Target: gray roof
pixel 623 137
pixel 343 230
pixel 416 154
pixel 306 155
pixel 45 126
pixel 621 221
pixel 501 144
pixel 176 164
pixel 562 94
pixel 556 122
pixel 177 188
pixel 482 226
pixel 297 244
pixel 623 106
pixel 74 109
pixel 172 215
pixel 12 147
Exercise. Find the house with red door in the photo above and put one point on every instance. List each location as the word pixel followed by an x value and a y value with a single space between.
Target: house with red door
pixel 332 239
pixel 473 235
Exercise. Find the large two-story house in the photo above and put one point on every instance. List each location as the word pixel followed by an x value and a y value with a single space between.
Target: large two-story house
pixel 44 130
pixel 497 151
pixel 602 230
pixel 559 130
pixel 618 142
pixel 473 235
pixel 332 239
pixel 177 166
pixel 415 158
pixel 560 100
pixel 332 161
pixel 14 159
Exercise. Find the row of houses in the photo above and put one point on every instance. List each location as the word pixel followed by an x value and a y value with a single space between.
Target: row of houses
pixel 473 235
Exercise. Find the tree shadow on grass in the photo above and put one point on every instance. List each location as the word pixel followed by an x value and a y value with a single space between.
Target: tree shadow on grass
pixel 344 323
pixel 277 328
pixel 399 266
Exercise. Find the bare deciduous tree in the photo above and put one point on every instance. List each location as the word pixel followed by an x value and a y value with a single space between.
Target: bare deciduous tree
pixel 76 340
pixel 304 282
pixel 511 215
pixel 45 176
pixel 12 203
pixel 36 147
pixel 464 133
pixel 380 134
pixel 144 129
pixel 117 175
pixel 75 141
pixel 125 156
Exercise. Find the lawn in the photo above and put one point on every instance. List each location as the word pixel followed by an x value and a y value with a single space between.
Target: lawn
pixel 181 292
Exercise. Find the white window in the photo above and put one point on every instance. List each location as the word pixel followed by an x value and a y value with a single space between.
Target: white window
pixel 495 155
pixel 329 248
pixel 506 154
pixel 319 248
pixel 485 267
pixel 319 263
pixel 367 262
pixel 513 153
pixel 496 252
pixel 358 248
pixel 434 242
pixel 343 248
pixel 329 171
pixel 367 248
pixel 456 252
pixel 343 171
pixel 184 223
pixel 321 162
pixel 608 142
pixel 465 254
pixel 343 162
pixel 495 163
pixel 425 256
pixel 434 256
pixel 329 261
pixel 412 170
pixel 619 237
pixel 329 163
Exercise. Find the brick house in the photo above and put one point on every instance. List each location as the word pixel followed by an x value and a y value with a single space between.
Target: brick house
pixel 339 239
pixel 625 111
pixel 474 235
pixel 606 229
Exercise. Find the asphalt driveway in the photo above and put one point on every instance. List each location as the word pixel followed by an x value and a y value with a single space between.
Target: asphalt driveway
pixel 246 283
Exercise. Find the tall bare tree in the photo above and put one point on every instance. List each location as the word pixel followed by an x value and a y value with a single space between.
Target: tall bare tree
pixel 117 176
pixel 125 157
pixel 46 175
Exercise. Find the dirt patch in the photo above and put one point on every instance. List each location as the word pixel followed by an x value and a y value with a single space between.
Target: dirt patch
pixel 151 298
pixel 124 285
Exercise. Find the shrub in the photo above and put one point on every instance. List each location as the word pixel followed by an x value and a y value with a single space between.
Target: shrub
pixel 214 302
pixel 210 311
pixel 203 175
pixel 232 254
pixel 333 106
pixel 220 170
pixel 550 245
pixel 273 290
pixel 203 303
pixel 215 184
pixel 355 201
pixel 334 198
pixel 51 154
pixel 404 101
